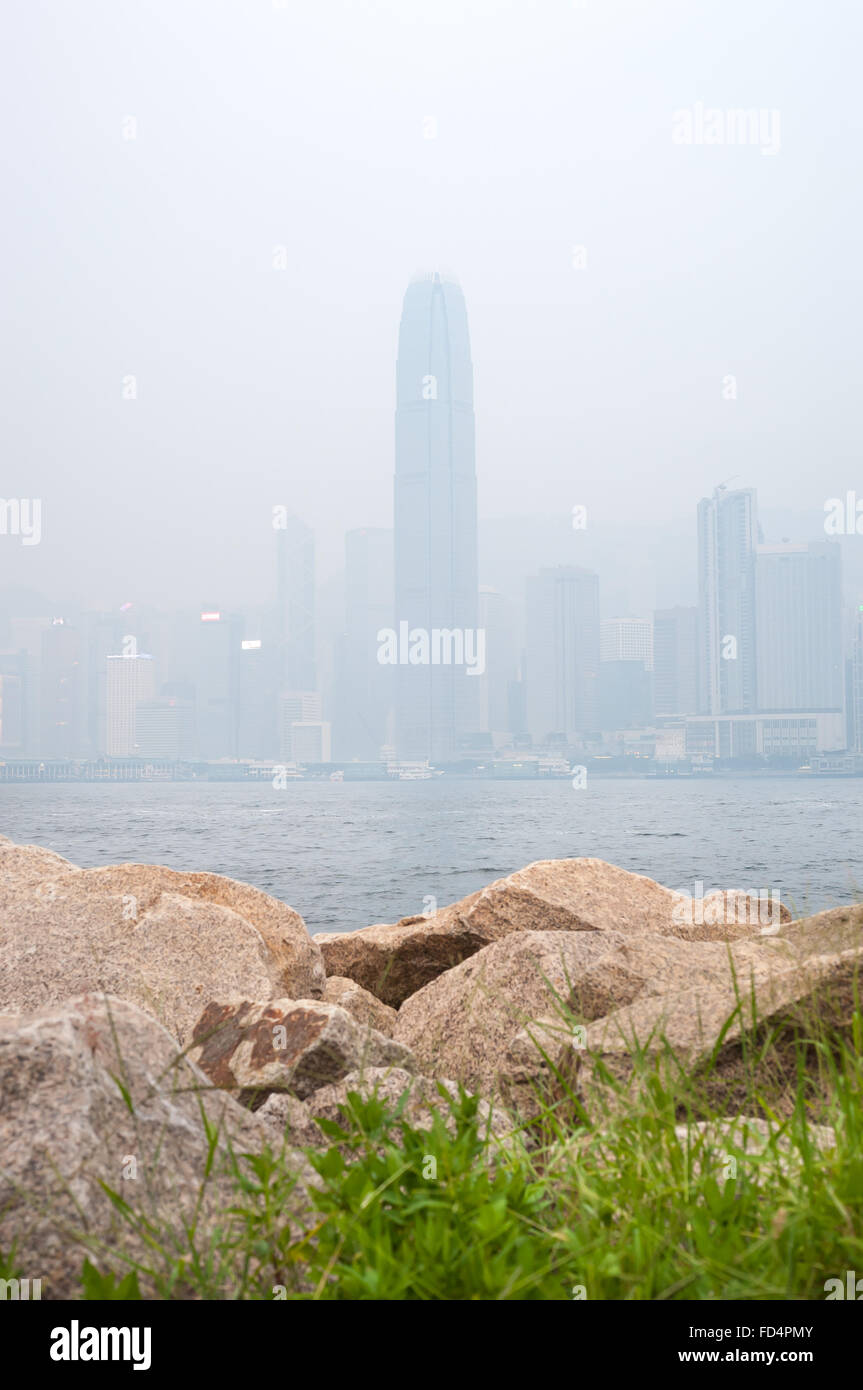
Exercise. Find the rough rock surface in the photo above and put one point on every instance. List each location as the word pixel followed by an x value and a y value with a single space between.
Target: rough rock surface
pixel 393 961
pixel 462 1024
pixel 165 940
pixel 586 895
pixel 591 895
pixel 93 1092
pixel 290 1118
pixel 360 1004
pixel 735 908
pixel 286 1045
pixel 797 982
pixel 568 994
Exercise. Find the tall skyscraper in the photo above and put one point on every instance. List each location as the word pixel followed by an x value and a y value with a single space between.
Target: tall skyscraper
pixel 674 660
pixel 562 653
pixel 799 625
pixel 131 681
pixel 727 537
pixel 436 583
pixel 258 724
pixel 217 684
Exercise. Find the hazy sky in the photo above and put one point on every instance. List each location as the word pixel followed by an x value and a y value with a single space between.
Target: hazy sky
pixel 305 126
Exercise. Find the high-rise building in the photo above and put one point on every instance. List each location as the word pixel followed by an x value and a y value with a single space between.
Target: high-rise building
pixel 105 633
pixel 131 681
pixel 310 741
pixel 258 736
pixel 799 625
pixel 217 684
pixel 625 667
pixel 124 630
pixel 675 644
pixel 296 707
pixel 626 639
pixel 165 729
pixel 727 537
pixel 625 695
pixel 300 705
pixel 295 604
pixel 562 653
pixel 435 517
pixel 365 686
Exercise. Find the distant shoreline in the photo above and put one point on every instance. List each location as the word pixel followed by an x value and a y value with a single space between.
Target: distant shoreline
pixel 95 774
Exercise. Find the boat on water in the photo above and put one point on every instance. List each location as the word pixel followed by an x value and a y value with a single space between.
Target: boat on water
pixel 413 771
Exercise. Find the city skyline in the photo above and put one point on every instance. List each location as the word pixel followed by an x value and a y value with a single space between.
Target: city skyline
pixel 208 689
pixel 570 663
pixel 560 656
